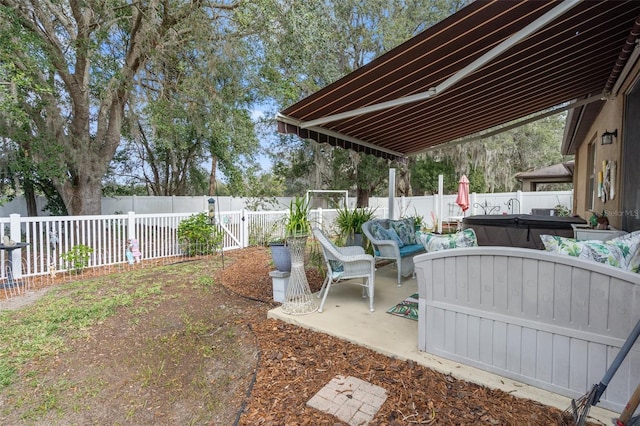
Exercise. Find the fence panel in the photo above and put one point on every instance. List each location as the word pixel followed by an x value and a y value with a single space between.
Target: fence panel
pixel 49 238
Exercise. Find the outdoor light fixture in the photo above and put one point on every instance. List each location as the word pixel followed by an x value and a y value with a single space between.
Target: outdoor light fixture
pixel 212 210
pixel 607 137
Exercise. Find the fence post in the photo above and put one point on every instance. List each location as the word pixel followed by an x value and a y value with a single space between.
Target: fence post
pixel 519 197
pixel 16 235
pixel 244 220
pixel 131 224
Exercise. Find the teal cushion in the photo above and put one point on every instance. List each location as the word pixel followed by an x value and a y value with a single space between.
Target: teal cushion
pixel 405 230
pixel 407 250
pixel 437 242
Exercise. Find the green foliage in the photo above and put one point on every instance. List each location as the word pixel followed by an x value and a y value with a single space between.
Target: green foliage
pixel 424 175
pixel 562 210
pixel 78 257
pixel 298 220
pixel 349 221
pixel 418 220
pixel 198 236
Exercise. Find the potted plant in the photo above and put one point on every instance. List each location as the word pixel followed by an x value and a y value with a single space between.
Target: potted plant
pixel 280 255
pixel 298 223
pixel 349 223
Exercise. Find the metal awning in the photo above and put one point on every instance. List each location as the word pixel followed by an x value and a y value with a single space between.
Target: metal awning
pixel 489 64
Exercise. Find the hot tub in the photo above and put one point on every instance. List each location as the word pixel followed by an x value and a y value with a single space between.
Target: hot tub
pixel 519 230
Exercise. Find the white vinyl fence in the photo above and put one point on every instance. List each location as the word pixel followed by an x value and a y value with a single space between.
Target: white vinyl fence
pixel 48 238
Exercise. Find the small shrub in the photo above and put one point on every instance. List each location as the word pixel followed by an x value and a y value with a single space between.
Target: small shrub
pixel 198 236
pixel 78 257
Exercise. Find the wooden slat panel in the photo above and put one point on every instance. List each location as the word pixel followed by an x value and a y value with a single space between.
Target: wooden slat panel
pixel 579 350
pixel 530 288
pixel 515 286
pixel 486 336
pixel 461 334
pixel 514 348
pixel 599 303
pixel 544 346
pixel 450 331
pixel 562 295
pixel 580 294
pixel 500 345
pixel 500 268
pixel 475 289
pixel 462 279
pixel 621 318
pixel 486 282
pixel 473 338
pixel 597 363
pixel 560 357
pixel 529 352
pixel 545 291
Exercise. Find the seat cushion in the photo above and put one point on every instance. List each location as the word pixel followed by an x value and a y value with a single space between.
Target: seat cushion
pixel 411 249
pixel 437 242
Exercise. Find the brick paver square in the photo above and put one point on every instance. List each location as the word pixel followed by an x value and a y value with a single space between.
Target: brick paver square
pixel 350 399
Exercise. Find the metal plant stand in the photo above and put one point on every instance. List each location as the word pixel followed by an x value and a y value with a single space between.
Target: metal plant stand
pixel 298 299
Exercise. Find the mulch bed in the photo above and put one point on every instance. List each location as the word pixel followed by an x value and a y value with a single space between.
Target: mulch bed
pixel 295 363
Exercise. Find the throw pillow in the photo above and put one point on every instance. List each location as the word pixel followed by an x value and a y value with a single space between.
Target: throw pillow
pixel 605 252
pixel 437 242
pixel 378 231
pixel 630 246
pixel 405 230
pixel 393 235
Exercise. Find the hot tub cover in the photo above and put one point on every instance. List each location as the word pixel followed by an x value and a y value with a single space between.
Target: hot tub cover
pixel 520 230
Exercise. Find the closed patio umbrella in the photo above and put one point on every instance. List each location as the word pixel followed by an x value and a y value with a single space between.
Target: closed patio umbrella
pixel 463 193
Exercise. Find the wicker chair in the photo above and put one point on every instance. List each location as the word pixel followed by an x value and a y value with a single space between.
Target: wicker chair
pixel 343 264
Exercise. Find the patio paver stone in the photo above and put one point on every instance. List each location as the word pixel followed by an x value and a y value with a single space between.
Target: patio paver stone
pixel 350 399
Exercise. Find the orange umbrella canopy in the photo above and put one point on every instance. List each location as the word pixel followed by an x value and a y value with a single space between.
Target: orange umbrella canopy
pixel 463 193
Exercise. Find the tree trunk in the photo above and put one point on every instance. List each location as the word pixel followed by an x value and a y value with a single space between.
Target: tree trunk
pixel 85 196
pixel 362 197
pixel 30 198
pixel 212 176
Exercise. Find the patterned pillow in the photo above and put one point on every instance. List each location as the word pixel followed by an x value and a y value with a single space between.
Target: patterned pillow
pixel 437 242
pixel 393 235
pixel 630 246
pixel 405 230
pixel 378 232
pixel 605 252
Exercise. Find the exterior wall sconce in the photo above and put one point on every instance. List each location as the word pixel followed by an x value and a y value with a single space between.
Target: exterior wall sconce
pixel 608 137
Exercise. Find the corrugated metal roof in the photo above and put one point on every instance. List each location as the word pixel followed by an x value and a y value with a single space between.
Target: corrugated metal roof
pixel 570 58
